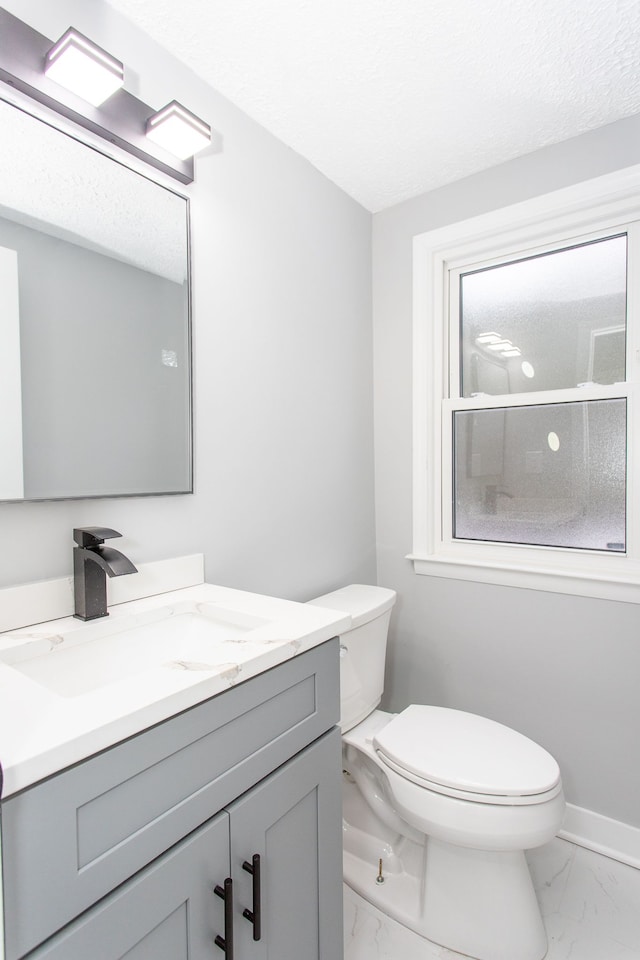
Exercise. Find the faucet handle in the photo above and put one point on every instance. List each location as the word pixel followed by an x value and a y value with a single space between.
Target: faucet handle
pixel 93 536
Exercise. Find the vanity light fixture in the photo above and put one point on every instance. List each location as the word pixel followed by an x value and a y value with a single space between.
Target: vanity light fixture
pixel 46 72
pixel 500 346
pixel 178 130
pixel 84 68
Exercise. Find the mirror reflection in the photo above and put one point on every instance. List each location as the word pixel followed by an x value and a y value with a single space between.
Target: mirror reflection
pixel 95 390
pixel 546 322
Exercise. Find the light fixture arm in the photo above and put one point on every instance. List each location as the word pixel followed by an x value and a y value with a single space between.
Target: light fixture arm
pixel 121 120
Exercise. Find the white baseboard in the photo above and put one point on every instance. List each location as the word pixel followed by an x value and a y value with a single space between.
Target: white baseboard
pixel 612 838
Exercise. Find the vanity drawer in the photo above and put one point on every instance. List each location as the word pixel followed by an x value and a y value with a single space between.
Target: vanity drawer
pixel 68 841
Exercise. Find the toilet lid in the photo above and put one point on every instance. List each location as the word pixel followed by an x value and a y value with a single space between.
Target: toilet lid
pixel 466 752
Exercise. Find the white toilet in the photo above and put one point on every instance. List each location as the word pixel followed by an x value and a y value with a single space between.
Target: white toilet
pixel 439 805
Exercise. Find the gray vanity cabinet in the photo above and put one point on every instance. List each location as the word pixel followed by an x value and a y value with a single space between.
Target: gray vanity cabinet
pixel 120 856
pixel 170 911
pixel 167 912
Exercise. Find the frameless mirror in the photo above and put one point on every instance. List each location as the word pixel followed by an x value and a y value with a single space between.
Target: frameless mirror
pixel 95 395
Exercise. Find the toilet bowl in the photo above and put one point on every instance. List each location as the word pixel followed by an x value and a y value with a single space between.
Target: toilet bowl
pixel 439 805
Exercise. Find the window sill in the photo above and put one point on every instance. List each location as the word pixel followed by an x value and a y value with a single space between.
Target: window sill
pixel 596 583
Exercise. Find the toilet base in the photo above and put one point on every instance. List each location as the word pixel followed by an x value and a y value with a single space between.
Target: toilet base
pixel 477 902
pixel 482 903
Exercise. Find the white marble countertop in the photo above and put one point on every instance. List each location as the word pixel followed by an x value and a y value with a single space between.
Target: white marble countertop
pixel 43 730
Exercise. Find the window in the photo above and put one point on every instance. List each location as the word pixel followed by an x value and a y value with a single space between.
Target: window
pixel 526 360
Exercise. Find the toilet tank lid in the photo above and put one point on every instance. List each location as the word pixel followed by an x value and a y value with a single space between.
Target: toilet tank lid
pixel 362 602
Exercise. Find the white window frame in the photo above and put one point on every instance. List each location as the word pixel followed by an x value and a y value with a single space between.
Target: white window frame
pixel 606 204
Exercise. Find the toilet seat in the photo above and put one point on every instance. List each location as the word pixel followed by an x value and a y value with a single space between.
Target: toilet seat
pixel 466 756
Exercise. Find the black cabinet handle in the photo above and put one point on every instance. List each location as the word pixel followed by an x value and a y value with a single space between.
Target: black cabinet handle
pixel 254 916
pixel 226 943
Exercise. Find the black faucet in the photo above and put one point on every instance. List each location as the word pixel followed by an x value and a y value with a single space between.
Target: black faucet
pixel 491 494
pixel 91 561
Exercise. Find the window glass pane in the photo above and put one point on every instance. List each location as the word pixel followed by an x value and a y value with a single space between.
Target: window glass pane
pixel 547 322
pixel 551 474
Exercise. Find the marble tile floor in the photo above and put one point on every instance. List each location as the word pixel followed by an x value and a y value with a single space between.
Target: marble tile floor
pixel 590 905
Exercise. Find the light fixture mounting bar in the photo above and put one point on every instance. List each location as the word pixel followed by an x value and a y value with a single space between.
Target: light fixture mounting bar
pixel 121 120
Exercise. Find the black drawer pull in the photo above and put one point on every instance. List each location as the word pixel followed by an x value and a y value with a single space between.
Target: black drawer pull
pixel 253 916
pixel 226 943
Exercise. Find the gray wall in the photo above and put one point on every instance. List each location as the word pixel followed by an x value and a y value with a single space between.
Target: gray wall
pixel 283 499
pixel 563 670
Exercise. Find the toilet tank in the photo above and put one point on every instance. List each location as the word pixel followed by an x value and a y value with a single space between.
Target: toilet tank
pixel 363 647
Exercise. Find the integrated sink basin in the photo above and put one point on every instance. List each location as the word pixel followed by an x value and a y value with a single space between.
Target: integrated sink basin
pixel 71 688
pixel 200 637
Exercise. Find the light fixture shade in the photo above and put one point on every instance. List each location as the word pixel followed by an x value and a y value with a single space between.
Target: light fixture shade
pixel 178 130
pixel 84 68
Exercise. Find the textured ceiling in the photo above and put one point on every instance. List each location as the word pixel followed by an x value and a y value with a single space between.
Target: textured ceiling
pixel 390 98
pixel 114 211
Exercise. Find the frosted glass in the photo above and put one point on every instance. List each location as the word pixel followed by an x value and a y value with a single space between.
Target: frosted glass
pixel 547 322
pixel 549 474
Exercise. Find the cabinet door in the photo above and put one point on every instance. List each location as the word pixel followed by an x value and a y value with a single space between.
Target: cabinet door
pixel 169 911
pixel 293 821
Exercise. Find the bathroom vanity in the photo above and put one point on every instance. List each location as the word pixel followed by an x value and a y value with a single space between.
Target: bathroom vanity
pixel 214 830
